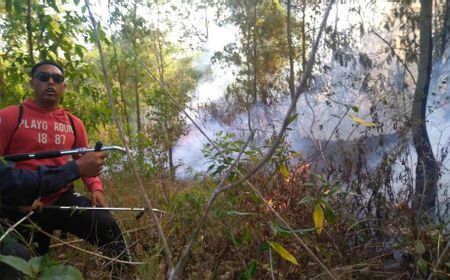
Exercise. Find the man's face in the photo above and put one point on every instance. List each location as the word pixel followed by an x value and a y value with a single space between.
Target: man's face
pixel 47 86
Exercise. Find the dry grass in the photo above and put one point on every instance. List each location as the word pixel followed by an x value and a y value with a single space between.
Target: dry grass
pixel 233 242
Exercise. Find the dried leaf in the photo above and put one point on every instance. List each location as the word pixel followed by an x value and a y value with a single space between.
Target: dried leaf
pixel 363 122
pixel 283 169
pixel 283 252
pixel 319 218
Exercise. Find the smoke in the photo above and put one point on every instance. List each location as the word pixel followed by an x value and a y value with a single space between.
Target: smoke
pixel 339 90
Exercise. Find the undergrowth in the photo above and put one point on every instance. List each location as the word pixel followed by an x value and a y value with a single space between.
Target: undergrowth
pixel 243 239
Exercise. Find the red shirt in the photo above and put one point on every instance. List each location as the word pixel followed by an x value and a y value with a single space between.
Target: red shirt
pixel 41 130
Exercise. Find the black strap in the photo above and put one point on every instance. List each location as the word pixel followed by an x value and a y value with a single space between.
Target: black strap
pixel 19 119
pixel 72 124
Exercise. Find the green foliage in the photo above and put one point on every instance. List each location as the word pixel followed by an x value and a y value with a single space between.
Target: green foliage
pixel 260 54
pixel 284 231
pixel 189 203
pixel 250 271
pixel 229 148
pixel 323 191
pixel 49 32
pixel 43 269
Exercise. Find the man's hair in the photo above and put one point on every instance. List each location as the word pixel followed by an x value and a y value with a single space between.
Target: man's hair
pixel 44 62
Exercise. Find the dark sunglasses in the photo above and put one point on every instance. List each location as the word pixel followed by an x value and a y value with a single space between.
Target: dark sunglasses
pixel 45 77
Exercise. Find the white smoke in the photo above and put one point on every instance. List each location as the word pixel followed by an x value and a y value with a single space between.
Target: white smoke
pixel 323 117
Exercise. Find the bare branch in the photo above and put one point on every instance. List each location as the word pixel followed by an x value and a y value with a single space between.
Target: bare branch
pixel 396 55
pixel 147 200
pixel 441 259
pixel 11 228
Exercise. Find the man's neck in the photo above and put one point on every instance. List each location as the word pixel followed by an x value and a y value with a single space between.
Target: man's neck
pixel 47 106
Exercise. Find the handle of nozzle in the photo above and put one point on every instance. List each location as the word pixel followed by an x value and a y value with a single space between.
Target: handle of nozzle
pixel 98 146
pixel 38 155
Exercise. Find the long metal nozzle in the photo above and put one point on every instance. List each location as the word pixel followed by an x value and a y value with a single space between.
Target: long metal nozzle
pixel 138 209
pixel 52 154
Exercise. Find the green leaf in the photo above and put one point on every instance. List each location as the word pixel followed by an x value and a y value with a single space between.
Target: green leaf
pixel 423 266
pixel 329 215
pixel 355 109
pixel 79 51
pixel 295 155
pixel 52 4
pixel 55 26
pixel 306 200
pixel 292 118
pixel 18 263
pixel 247 235
pixel 283 252
pixel 8 5
pixel 317 176
pixel 234 239
pixel 250 271
pixel 318 217
pixel 336 190
pixel 283 169
pixel 61 272
pixel 282 230
pixel 420 249
pixel 35 264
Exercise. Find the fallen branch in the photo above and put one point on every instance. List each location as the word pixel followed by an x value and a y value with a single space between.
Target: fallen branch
pixel 11 228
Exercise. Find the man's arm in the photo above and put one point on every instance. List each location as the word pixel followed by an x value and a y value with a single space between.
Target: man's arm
pixel 93 184
pixel 20 187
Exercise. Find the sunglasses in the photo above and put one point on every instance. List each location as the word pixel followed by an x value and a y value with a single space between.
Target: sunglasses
pixel 45 77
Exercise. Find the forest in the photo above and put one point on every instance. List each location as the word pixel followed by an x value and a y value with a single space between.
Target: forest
pixel 274 139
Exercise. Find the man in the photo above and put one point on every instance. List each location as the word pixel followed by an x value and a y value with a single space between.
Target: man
pixel 19 185
pixel 40 124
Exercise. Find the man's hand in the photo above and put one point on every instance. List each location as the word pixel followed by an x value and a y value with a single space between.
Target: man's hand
pixel 36 206
pixel 91 164
pixel 98 198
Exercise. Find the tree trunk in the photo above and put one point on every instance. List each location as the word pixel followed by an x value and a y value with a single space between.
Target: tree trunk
pixel 291 51
pixel 159 45
pixel 29 33
pixel 303 35
pixel 136 82
pixel 445 27
pixel 427 170
pixel 122 94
